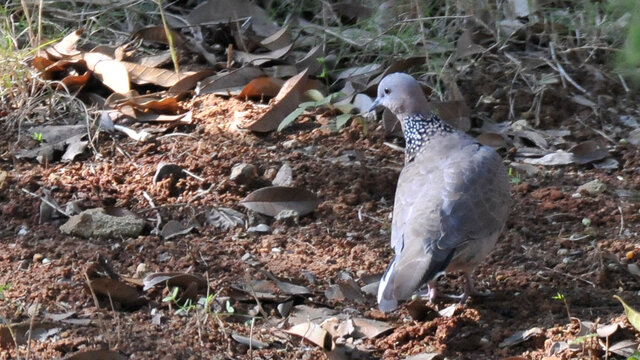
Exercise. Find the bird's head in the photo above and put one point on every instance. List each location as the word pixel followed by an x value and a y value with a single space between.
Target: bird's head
pixel 401 94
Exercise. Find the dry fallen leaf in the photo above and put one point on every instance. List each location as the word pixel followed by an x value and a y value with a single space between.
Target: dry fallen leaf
pixel 261 87
pixel 272 200
pixel 465 45
pixel 494 140
pixel 97 355
pixel 158 34
pixel 111 72
pixel 588 151
pixel 313 333
pixel 249 341
pixel 40 330
pixel 182 280
pixel 65 47
pixel 261 58
pixel 230 83
pixel 285 102
pixel 118 291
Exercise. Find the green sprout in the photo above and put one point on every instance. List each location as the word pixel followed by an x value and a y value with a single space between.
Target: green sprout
pixel 560 296
pixel 4 288
pixel 37 136
pixel 514 176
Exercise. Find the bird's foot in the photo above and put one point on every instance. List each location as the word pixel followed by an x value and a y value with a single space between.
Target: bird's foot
pixel 469 290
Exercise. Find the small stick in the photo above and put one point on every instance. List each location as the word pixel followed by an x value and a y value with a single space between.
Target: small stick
pixel 156 230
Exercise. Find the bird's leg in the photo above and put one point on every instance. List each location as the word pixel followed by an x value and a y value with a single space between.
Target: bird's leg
pixel 430 292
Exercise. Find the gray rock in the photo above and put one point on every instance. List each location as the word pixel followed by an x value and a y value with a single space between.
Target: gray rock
pixel 95 222
pixel 593 187
pixel 244 173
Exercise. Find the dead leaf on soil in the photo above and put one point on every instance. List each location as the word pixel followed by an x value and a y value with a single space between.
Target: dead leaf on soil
pixel 142 75
pixel 287 287
pixel 494 140
pixel 249 341
pixel 310 61
pixel 222 11
pixel 466 47
pixel 261 87
pixel 278 39
pixel 560 157
pixel 158 34
pixel 40 330
pixel 230 83
pixel 588 151
pixel 313 333
pixel 118 291
pixel 287 100
pixel 65 47
pixel 225 218
pixel 368 328
pixel 111 72
pixel 189 81
pixel 360 74
pixel 159 103
pixel 273 199
pixel 625 348
pixel 97 355
pixel 174 228
pixel 521 336
pixel 534 137
pixel 261 58
pixel 303 313
pixel 181 280
pixel 424 356
pixel 260 289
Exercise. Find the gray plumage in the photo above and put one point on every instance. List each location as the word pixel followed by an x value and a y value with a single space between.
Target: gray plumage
pixel 451 202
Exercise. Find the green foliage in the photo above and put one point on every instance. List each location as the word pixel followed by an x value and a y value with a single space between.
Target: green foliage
pixel 632 314
pixel 514 176
pixel 560 296
pixel 4 288
pixel 319 100
pixel 37 136
pixel 582 339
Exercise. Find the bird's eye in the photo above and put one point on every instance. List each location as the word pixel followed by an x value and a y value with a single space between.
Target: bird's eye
pixel 387 91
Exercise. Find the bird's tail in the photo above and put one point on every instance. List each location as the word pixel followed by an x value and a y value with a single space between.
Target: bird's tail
pixel 386 301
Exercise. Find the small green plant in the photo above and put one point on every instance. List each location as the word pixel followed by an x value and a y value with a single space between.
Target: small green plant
pixel 582 339
pixel 319 100
pixel 514 176
pixel 586 222
pixel 37 136
pixel 4 288
pixel 182 309
pixel 560 296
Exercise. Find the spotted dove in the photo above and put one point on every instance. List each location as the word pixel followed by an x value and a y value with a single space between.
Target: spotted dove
pixel 451 201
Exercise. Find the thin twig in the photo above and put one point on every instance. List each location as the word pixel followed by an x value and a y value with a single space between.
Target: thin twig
pixel 43 199
pixel 571 276
pixel 561 70
pixel 156 230
pixel 621 221
pixel 437 18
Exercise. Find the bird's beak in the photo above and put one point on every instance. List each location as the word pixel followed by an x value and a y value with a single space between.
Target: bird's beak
pixel 375 104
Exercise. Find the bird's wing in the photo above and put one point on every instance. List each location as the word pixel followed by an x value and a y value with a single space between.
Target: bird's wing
pixel 454 192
